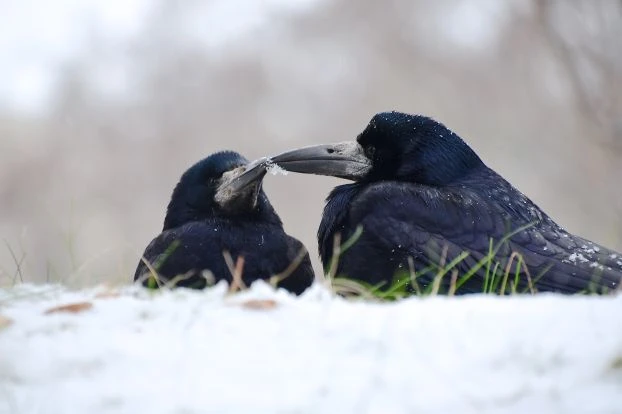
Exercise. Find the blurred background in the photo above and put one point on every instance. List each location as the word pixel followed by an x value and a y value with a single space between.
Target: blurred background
pixel 103 104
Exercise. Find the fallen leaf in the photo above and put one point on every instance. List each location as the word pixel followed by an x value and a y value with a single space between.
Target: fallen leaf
pixel 4 322
pixel 72 308
pixel 259 304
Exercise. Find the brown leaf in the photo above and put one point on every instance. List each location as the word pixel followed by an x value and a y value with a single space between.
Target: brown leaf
pixel 4 322
pixel 259 304
pixel 71 308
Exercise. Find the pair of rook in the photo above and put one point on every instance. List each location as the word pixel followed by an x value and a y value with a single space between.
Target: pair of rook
pixel 419 198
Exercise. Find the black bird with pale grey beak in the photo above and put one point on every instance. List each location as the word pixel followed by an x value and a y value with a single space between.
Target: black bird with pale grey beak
pixel 423 197
pixel 218 208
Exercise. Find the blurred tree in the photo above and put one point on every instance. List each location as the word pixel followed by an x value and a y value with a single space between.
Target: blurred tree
pixel 586 36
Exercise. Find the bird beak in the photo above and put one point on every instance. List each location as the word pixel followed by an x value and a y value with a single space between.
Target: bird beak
pixel 344 160
pixel 252 174
pixel 242 183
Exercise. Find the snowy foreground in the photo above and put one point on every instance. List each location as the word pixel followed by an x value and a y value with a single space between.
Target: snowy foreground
pixel 267 352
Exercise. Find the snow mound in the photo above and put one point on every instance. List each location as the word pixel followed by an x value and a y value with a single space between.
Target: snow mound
pixel 265 351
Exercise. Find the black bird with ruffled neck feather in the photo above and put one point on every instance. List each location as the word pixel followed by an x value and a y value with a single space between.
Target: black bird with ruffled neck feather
pixel 219 206
pixel 422 195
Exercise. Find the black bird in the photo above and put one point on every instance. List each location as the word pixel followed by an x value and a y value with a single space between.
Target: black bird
pixel 422 195
pixel 219 205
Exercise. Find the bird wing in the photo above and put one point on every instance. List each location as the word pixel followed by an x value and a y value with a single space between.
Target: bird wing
pixel 194 247
pixel 176 252
pixel 422 222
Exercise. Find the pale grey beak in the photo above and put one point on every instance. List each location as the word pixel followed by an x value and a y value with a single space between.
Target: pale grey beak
pixel 240 187
pixel 344 160
pixel 252 174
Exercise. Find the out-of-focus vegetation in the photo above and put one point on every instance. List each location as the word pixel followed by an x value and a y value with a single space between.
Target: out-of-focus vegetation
pixel 534 86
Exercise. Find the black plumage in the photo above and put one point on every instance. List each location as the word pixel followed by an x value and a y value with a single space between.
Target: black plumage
pixel 218 206
pixel 423 197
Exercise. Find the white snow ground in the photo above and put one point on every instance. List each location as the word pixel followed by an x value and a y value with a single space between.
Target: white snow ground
pixel 202 352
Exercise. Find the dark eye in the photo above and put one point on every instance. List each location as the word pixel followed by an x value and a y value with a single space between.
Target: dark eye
pixel 211 180
pixel 370 151
pixel 216 175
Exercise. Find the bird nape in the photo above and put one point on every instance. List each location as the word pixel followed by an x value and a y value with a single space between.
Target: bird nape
pixel 218 210
pixel 430 208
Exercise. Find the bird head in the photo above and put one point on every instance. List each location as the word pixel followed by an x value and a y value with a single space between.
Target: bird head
pixel 223 184
pixel 393 146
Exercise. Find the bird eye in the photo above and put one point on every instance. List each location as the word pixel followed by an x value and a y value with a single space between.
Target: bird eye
pixel 217 176
pixel 370 151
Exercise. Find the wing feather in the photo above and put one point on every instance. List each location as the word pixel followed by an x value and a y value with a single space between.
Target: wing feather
pixel 405 220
